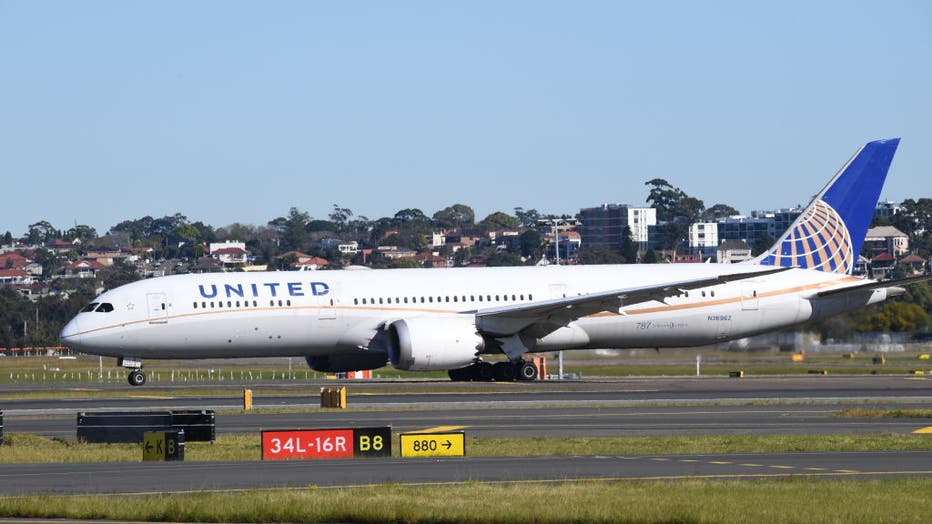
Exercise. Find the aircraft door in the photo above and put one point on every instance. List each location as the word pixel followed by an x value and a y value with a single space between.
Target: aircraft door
pixel 749 301
pixel 327 307
pixel 557 290
pixel 157 305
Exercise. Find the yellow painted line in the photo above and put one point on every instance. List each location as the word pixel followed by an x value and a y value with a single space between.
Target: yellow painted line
pixel 783 467
pixel 688 460
pixel 660 459
pixel 924 431
pixel 752 465
pixel 439 429
pixel 719 462
pixel 846 471
pixel 815 469
pixel 151 397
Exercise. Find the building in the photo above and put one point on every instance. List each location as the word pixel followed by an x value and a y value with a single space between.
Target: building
pixel 887 209
pixel 761 225
pixel 230 254
pixel 732 251
pixel 603 226
pixel 703 236
pixel 886 239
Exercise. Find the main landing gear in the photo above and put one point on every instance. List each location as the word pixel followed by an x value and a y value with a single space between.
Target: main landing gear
pixel 136 377
pixel 499 372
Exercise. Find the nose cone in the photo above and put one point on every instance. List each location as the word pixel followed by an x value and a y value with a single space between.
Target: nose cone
pixel 71 334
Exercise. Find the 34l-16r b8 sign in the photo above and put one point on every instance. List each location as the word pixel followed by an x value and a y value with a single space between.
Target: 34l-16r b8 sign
pixel 308 444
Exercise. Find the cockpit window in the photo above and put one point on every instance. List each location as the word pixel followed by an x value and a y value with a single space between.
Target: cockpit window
pixel 90 307
pixel 105 307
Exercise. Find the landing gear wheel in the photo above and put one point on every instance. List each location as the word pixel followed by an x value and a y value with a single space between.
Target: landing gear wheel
pixel 136 378
pixel 504 371
pixel 527 371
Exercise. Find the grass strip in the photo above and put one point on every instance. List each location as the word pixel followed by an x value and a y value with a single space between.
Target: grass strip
pixel 25 448
pixel 776 501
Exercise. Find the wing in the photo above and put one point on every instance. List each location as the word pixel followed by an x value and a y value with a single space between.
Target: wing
pixel 549 315
pixel 874 284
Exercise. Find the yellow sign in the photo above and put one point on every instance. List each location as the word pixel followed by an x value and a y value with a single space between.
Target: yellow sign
pixel 433 444
pixel 162 445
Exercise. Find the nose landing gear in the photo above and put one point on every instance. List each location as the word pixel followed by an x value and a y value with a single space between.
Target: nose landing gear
pixel 136 377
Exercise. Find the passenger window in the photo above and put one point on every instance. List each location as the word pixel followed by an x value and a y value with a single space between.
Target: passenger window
pixel 195 305
pixel 204 305
pixel 289 302
pixel 355 301
pixel 530 297
pixel 455 298
pixel 229 304
pixel 90 307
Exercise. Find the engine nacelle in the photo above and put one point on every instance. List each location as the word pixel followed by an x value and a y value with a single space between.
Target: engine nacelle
pixel 352 362
pixel 430 343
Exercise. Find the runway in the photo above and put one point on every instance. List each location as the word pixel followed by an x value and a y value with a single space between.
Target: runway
pixel 605 408
pixel 198 477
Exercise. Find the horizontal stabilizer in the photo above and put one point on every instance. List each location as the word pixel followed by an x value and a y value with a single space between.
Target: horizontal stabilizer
pixel 873 284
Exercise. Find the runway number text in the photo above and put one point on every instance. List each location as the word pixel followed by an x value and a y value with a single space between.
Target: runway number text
pixel 305 444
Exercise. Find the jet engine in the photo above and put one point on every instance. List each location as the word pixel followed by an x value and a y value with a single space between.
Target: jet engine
pixel 349 362
pixel 431 343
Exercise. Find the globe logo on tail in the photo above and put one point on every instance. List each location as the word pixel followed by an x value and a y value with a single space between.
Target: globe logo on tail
pixel 819 240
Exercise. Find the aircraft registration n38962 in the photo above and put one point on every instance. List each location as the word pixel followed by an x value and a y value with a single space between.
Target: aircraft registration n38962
pixel 447 319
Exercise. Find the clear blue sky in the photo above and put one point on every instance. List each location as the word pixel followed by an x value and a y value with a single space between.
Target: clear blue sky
pixel 236 111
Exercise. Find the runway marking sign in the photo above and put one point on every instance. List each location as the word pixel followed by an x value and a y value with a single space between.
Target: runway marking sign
pixel 163 445
pixel 433 444
pixel 309 444
pixel 924 431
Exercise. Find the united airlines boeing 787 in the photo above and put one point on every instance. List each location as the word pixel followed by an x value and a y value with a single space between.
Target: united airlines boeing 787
pixel 447 319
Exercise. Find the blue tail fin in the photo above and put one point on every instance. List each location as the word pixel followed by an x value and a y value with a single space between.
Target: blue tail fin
pixel 828 235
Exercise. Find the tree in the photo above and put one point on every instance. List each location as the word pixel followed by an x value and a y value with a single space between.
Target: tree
pixel 891 316
pixel 117 274
pixel 718 212
pixel 598 255
pixel 340 217
pixel 456 216
pixel 8 238
pixel 762 244
pixel 501 258
pixel 498 220
pixel 531 245
pixel 527 219
pixel 81 232
pixel 628 249
pixel 293 229
pixel 42 232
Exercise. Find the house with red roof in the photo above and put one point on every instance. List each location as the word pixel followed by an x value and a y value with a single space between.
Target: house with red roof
pixel 83 268
pixel 14 277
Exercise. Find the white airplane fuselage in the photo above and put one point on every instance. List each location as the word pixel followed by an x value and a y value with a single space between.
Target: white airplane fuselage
pixel 308 313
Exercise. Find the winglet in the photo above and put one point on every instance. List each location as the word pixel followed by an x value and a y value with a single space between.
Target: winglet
pixel 828 235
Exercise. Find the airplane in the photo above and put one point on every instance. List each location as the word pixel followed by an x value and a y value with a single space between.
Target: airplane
pixel 448 319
